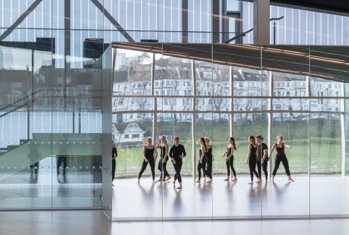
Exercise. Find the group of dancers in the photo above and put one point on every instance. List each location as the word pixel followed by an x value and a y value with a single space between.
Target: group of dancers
pixel 257 157
pixel 176 153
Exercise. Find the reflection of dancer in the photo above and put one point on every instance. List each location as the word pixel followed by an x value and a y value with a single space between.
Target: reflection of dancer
pixel 229 159
pixel 281 156
pixel 33 156
pixel 163 145
pixel 150 155
pixel 114 156
pixel 262 157
pixel 177 153
pixel 252 158
pixel 62 163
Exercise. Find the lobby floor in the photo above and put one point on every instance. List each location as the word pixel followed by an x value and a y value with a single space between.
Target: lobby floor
pixel 154 209
pixel 316 196
pixel 95 223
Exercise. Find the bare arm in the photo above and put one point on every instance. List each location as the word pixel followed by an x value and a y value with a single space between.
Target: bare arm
pixel 249 153
pixel 272 149
pixel 202 154
pixel 265 155
pixel 155 154
pixel 165 153
pixel 287 146
pixel 145 159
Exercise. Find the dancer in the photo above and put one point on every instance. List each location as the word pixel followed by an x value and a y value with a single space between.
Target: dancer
pixel 262 157
pixel 210 158
pixel 281 157
pixel 229 159
pixel 206 155
pixel 201 167
pixel 252 158
pixel 177 153
pixel 163 145
pixel 150 155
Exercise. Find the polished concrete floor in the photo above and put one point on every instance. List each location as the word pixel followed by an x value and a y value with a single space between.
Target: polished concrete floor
pixel 316 197
pixel 223 208
pixel 95 223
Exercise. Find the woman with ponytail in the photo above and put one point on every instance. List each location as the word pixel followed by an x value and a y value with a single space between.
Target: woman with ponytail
pixel 229 159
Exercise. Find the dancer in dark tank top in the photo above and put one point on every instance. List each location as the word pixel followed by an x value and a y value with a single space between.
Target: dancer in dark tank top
pixel 262 157
pixel 177 153
pixel 252 158
pixel 229 160
pixel 149 155
pixel 200 168
pixel 163 145
pixel 281 157
pixel 206 155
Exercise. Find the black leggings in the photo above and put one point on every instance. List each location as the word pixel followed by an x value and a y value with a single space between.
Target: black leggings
pixel 265 169
pixel 144 166
pixel 284 161
pixel 201 166
pixel 252 166
pixel 162 169
pixel 230 164
pixel 208 168
pixel 178 168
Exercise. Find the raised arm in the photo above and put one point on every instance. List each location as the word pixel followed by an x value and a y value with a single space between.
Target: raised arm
pixel 287 146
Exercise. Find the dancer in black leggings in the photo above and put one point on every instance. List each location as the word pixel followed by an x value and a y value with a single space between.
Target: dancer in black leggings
pixel 262 157
pixel 150 155
pixel 164 175
pixel 209 159
pixel 201 167
pixel 229 159
pixel 177 153
pixel 252 158
pixel 206 155
pixel 281 157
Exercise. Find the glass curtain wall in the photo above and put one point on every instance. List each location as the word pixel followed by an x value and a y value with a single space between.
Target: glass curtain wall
pixel 203 97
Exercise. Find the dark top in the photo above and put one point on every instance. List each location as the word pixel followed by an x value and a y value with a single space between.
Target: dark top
pixel 162 151
pixel 208 154
pixel 261 148
pixel 177 151
pixel 149 153
pixel 114 152
pixel 228 151
pixel 280 151
pixel 253 156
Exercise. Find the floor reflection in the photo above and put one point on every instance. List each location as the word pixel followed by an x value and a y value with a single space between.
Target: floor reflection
pixel 230 200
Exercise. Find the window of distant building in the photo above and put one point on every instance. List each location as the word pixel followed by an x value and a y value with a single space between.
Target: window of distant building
pixel 135 136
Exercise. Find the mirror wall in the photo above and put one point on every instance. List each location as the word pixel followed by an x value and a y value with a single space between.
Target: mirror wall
pixel 222 91
pixel 52 131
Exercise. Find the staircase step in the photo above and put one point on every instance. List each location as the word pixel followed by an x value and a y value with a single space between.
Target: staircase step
pixel 2 151
pixel 23 141
pixel 10 147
